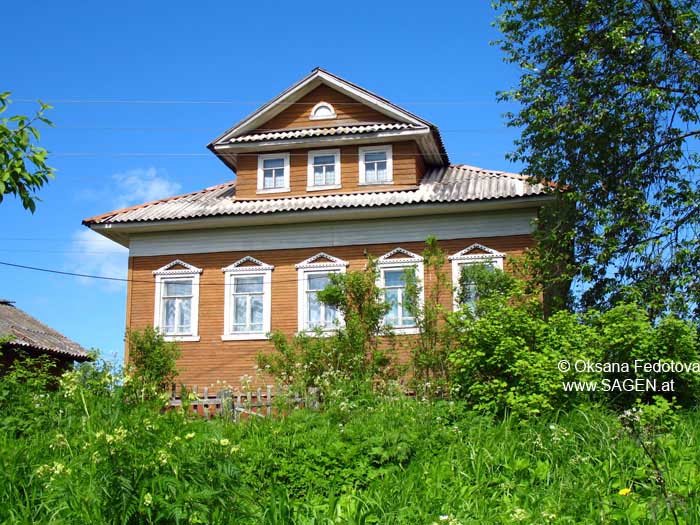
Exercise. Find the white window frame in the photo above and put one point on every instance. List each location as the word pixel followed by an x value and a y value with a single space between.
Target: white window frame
pixel 465 257
pixel 168 274
pixel 330 264
pixel 389 164
pixel 310 179
pixel 261 172
pixel 258 268
pixel 332 114
pixel 388 261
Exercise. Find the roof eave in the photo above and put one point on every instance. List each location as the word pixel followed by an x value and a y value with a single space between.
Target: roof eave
pixel 120 231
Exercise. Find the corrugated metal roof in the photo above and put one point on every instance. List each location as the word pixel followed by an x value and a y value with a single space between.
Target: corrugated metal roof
pixel 349 129
pixel 29 332
pixel 457 183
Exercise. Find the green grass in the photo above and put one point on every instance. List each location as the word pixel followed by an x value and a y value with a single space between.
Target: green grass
pixel 92 458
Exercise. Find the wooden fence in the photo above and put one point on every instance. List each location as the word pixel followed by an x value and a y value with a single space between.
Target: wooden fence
pixel 237 405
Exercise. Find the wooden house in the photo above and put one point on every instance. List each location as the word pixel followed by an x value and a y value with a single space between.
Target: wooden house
pixel 326 172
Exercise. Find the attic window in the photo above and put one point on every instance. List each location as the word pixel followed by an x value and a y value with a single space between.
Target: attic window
pixel 322 111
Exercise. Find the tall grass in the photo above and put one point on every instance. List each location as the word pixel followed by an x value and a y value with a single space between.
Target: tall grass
pixel 90 455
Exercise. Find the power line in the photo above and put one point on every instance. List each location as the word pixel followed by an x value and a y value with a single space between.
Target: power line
pixel 123 279
pixel 463 102
pixel 217 130
pixel 209 155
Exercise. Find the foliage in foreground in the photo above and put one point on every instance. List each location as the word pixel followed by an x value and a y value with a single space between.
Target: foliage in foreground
pixel 507 357
pixel 23 168
pixel 84 455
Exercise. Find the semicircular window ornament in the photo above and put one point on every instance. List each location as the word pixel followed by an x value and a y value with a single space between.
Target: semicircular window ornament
pixel 321 111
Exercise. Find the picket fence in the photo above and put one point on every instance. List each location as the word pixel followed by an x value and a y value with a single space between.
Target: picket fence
pixel 238 405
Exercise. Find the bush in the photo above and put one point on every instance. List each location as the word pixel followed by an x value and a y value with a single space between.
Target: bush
pixel 625 334
pixel 352 357
pixel 152 360
pixel 506 359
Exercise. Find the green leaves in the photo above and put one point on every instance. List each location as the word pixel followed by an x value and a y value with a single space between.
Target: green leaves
pixel 609 109
pixel 23 168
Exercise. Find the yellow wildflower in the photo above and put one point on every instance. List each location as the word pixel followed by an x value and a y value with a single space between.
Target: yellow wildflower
pixel 224 442
pixel 624 492
pixel 189 435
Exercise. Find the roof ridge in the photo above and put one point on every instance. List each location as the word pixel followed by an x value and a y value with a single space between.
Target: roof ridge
pixel 157 201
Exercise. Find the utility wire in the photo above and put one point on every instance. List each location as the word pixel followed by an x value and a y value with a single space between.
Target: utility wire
pixel 123 279
pixel 464 102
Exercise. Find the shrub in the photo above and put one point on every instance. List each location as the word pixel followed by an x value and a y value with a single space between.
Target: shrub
pixel 431 347
pixel 352 354
pixel 506 359
pixel 625 335
pixel 484 281
pixel 152 359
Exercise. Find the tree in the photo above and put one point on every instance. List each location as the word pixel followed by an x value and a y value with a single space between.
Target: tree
pixel 23 168
pixel 608 99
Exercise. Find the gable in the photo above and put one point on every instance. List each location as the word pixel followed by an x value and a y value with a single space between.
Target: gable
pixel 347 110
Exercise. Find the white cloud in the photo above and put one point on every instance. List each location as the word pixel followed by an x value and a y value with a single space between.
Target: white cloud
pixel 92 254
pixel 142 185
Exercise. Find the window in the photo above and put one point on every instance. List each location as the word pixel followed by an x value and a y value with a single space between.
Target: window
pixel 393 269
pixel 248 300
pixel 177 301
pixel 474 254
pixel 314 276
pixel 323 170
pixel 376 165
pixel 322 111
pixel 273 173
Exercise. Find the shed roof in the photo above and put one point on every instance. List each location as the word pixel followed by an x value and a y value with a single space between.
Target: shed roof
pixel 28 332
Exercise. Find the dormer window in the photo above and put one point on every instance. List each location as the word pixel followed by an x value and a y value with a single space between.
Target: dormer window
pixel 273 173
pixel 322 111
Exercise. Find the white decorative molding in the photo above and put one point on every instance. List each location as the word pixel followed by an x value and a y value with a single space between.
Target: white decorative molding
pixel 411 257
pixel 332 262
pixel 322 104
pixel 489 253
pixel 237 268
pixel 186 270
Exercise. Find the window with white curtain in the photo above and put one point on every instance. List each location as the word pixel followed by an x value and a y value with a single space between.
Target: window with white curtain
pixel 247 300
pixel 323 170
pixel 273 173
pixel 177 301
pixel 394 268
pixel 314 275
pixel 376 165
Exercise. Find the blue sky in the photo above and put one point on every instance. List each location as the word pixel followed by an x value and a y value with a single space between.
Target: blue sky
pixel 139 89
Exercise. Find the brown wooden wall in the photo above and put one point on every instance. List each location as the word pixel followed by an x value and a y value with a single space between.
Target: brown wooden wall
pixel 347 110
pixel 211 359
pixel 408 168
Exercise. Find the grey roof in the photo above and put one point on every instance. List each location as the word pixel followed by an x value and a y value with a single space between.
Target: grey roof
pixel 457 183
pixel 349 129
pixel 28 332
